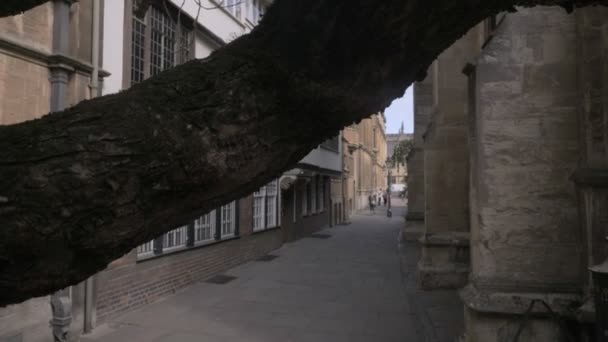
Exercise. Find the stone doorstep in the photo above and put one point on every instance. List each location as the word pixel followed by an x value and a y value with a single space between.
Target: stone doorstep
pixel 459 239
pixel 494 301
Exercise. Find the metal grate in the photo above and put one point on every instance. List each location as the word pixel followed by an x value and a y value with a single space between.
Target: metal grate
pixel 267 257
pixel 320 236
pixel 220 279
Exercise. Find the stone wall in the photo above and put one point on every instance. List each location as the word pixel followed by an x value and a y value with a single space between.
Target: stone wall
pixel 24 88
pixel 27 50
pixel 424 106
pixel 525 243
pixel 445 256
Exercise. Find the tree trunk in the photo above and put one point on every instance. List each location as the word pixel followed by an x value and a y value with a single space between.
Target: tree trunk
pixel 81 187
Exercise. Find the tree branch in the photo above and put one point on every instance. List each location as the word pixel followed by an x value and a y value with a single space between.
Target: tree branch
pixel 80 188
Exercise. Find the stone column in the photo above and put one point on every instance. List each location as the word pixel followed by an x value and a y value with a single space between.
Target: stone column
pixel 423 107
pixel 591 176
pixel 525 239
pixel 445 255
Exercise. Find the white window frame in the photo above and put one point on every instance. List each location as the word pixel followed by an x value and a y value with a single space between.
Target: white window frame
pixel 265 206
pixel 234 7
pixel 259 209
pixel 228 220
pixel 271 203
pixel 179 236
pixel 205 222
pixel 145 249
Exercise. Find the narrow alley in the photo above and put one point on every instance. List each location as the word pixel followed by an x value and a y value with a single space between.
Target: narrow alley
pixel 347 283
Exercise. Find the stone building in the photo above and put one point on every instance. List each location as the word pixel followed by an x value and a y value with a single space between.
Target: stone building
pixel 397 171
pixel 511 152
pixel 47 62
pixel 365 159
pixel 49 59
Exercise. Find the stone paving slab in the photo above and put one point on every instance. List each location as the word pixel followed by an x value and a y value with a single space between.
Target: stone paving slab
pixel 357 285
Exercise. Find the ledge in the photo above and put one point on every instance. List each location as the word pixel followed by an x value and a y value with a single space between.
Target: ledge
pixel 516 303
pixel 265 230
pixel 22 50
pixel 460 239
pixel 185 249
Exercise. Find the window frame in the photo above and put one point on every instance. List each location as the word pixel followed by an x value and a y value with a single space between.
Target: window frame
pixel 227 217
pixel 265 207
pixel 186 27
pixel 200 226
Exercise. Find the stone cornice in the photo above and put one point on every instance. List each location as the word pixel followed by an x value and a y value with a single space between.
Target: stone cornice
pixel 446 239
pixel 20 50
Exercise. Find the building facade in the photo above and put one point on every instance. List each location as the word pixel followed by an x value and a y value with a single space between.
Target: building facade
pixel 50 53
pixel 510 146
pixel 365 158
pixel 397 171
pixel 50 58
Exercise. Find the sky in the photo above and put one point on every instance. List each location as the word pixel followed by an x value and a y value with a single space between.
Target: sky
pixel 401 110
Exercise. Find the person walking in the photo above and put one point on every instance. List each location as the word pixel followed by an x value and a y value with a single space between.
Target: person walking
pixel 372 203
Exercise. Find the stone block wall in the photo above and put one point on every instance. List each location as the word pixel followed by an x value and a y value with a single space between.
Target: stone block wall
pixel 24 88
pixel 525 240
pixel 444 262
pixel 423 107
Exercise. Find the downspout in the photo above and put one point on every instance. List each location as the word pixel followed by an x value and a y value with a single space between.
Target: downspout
pixel 89 285
pixel 94 86
pixel 60 301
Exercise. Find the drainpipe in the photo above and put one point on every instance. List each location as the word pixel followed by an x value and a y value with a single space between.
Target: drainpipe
pixel 60 301
pixel 89 284
pixel 94 86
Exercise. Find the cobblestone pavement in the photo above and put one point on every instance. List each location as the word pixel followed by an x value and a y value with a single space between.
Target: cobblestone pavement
pixel 357 285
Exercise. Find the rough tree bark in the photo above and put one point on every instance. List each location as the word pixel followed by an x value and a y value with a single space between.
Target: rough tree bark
pixel 80 188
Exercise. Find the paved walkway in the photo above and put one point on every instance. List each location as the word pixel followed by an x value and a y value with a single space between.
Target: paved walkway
pixel 357 285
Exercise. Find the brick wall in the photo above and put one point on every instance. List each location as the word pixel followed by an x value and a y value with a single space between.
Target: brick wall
pixel 304 225
pixel 129 284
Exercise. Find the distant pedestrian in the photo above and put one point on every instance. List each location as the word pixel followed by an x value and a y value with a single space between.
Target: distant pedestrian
pixel 384 198
pixel 372 202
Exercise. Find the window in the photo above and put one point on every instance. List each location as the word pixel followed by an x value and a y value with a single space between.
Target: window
pixel 234 7
pixel 204 228
pixel 227 220
pixel 158 43
pixel 265 203
pixel 271 204
pixel 138 50
pixel 259 208
pixel 146 249
pixel 255 10
pixel 321 194
pixel 162 51
pixel 176 238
